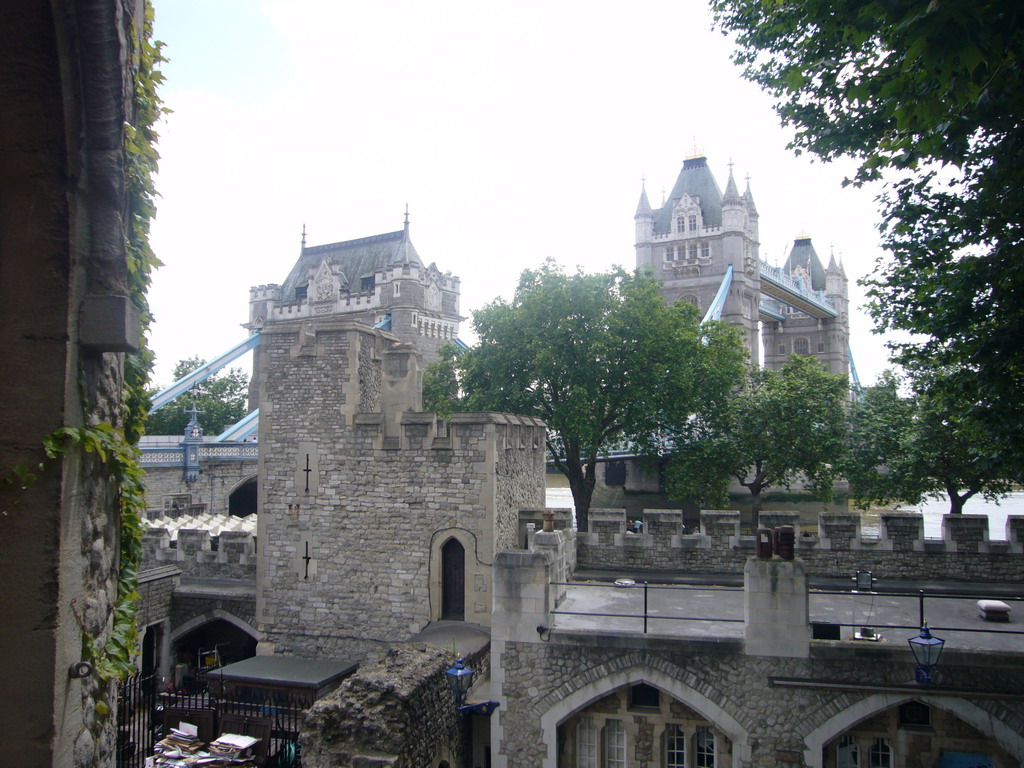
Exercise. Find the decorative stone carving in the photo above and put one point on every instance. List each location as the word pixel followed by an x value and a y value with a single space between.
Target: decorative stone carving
pixel 325 286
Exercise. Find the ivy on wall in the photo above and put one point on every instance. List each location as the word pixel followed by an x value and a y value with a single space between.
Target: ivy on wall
pixel 115 446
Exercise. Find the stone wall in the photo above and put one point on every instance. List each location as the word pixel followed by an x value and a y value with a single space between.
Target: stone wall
pixel 899 552
pixel 156 592
pixel 193 601
pixel 218 478
pixel 766 723
pixel 395 712
pixel 234 558
pixel 65 323
pixel 773 701
pixel 356 505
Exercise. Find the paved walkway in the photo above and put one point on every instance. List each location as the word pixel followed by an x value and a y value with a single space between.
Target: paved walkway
pixel 681 605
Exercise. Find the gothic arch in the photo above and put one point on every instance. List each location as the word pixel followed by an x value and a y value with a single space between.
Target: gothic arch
pixel 631 675
pixel 984 721
pixel 471 565
pixel 247 500
pixel 243 481
pixel 209 616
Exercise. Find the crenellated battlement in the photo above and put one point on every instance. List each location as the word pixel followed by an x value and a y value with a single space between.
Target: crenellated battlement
pixel 195 554
pixel 900 550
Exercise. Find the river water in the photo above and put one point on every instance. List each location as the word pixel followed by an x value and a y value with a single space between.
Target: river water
pixel 932 509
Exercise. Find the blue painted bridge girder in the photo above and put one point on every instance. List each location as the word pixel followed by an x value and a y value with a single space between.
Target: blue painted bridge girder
pixel 796 293
pixel 201 374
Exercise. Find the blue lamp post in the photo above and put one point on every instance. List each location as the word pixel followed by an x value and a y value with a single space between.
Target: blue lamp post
pixel 927 650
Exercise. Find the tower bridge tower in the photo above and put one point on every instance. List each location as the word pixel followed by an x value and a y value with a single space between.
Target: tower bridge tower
pixel 828 339
pixel 699 233
pixel 695 236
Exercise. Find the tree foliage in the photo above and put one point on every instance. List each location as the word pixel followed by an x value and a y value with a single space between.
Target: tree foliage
pixel 930 97
pixel 907 447
pixel 599 357
pixel 221 401
pixel 777 426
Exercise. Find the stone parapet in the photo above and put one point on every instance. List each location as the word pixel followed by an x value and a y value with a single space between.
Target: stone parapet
pixel 900 551
pixel 195 556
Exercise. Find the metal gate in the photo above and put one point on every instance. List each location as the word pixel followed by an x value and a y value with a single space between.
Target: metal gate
pixel 140 710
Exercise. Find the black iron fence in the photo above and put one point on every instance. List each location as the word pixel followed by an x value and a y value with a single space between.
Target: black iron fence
pixel 141 709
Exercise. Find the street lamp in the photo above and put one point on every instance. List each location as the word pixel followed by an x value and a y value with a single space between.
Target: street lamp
pixel 927 650
pixel 460 678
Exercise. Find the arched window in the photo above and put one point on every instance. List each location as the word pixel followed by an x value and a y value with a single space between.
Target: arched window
pixel 680 224
pixel 880 755
pixel 704 747
pixel 586 743
pixel 614 744
pixel 693 223
pixel 800 346
pixel 847 754
pixel 675 747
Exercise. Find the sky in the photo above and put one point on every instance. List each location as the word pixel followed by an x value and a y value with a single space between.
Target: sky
pixel 514 131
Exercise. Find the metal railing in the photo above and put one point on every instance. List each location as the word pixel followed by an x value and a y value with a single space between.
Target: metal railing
pixel 921 595
pixel 646 616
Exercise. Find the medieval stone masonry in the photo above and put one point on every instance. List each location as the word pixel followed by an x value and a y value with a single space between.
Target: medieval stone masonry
pixel 360 494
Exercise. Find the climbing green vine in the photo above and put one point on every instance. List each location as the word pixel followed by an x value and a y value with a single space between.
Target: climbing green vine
pixel 116 447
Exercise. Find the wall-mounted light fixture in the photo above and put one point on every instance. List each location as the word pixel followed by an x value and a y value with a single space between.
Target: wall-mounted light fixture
pixel 927 650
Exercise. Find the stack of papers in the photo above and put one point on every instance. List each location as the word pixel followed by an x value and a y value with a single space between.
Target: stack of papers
pixel 182 749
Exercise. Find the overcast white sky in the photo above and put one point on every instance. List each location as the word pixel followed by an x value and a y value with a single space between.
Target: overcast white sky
pixel 514 131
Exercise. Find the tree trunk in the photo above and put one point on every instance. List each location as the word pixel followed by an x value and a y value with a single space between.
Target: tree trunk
pixel 755 505
pixel 581 483
pixel 956 501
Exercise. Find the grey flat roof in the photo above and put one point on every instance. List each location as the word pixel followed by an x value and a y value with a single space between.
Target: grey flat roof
pixel 286 670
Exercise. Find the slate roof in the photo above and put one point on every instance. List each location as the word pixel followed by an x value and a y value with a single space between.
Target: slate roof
pixel 696 180
pixel 354 259
pixel 803 255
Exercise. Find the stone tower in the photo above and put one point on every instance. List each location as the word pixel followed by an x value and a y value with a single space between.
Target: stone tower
pixel 695 236
pixel 378 280
pixel 827 339
pixel 375 518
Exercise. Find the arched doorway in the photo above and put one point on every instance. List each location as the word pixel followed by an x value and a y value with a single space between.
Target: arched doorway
pixel 453 581
pixel 242 501
pixel 210 644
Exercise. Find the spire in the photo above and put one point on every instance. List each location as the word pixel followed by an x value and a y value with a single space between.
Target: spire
pixel 748 198
pixel 643 208
pixel 405 237
pixel 732 195
pixel 832 266
pixel 303 237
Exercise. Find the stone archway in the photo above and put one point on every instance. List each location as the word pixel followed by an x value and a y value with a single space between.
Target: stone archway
pixel 242 499
pixel 971 714
pixel 633 675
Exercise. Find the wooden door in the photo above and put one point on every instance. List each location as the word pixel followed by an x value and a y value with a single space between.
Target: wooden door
pixel 453 581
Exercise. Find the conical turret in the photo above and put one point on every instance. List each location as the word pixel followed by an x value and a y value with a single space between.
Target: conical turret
pixel 734 216
pixel 644 218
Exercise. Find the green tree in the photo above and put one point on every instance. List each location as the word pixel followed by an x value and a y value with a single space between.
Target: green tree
pixel 600 358
pixel 905 448
pixel 222 400
pixel 776 427
pixel 930 97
